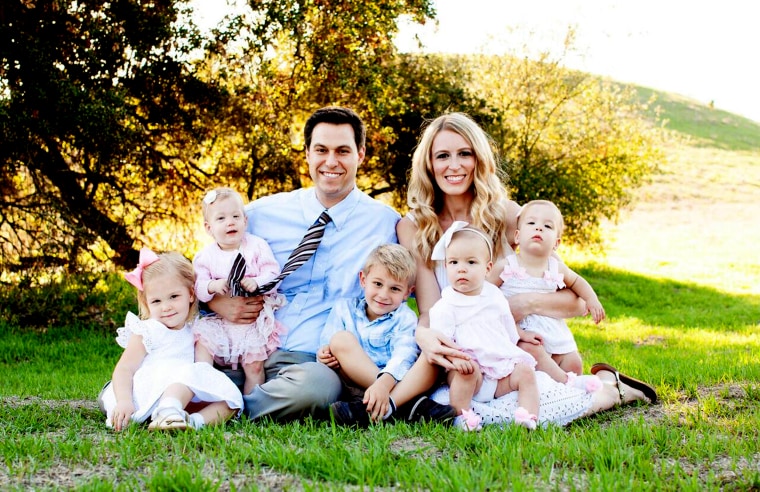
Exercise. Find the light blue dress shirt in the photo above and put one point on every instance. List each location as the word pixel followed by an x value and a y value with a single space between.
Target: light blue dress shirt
pixel 359 224
pixel 388 340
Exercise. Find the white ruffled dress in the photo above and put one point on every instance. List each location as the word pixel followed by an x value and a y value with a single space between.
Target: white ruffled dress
pixel 170 359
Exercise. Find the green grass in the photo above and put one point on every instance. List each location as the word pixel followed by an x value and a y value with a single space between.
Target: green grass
pixel 679 278
pixel 701 124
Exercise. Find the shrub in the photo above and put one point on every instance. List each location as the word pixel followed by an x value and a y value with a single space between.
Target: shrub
pixel 96 301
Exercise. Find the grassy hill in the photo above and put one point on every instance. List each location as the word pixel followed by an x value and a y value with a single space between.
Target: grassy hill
pixel 699 218
pixel 700 125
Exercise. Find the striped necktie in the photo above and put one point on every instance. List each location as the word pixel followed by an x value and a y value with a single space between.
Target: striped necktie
pixel 301 254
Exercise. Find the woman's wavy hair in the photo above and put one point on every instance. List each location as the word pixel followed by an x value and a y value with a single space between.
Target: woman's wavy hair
pixel 489 195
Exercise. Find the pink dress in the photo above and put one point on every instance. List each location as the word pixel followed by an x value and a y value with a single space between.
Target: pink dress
pixel 483 326
pixel 232 343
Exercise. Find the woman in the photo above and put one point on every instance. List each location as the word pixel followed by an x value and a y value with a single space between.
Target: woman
pixel 455 177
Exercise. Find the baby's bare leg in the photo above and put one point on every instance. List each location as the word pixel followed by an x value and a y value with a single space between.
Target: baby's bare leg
pixel 202 353
pixel 544 361
pixel 522 380
pixel 254 375
pixel 569 362
pixel 462 387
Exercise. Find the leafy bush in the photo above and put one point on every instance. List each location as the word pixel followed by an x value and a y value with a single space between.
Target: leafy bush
pixel 97 301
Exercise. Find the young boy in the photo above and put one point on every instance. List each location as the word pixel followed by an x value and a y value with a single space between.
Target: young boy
pixel 369 340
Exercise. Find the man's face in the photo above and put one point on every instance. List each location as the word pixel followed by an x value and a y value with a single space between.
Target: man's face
pixel 333 160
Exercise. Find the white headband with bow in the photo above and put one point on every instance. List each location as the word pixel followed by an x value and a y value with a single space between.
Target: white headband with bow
pixel 439 251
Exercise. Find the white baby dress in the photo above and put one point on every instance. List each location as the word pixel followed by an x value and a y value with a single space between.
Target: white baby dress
pixel 170 359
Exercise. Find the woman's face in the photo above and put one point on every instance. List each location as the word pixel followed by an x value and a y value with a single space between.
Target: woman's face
pixel 454 162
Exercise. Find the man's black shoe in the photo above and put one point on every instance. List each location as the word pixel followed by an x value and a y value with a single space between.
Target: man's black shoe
pixel 350 413
pixel 423 409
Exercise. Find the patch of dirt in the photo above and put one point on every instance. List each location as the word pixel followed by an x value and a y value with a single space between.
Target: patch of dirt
pixel 730 471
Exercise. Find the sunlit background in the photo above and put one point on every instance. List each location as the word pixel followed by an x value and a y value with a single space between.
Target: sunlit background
pixel 702 50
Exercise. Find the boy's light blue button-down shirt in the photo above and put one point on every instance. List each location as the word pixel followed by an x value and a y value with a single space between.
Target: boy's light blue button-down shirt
pixel 359 224
pixel 388 340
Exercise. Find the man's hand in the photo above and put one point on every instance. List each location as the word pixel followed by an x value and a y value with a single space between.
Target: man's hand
pixel 238 310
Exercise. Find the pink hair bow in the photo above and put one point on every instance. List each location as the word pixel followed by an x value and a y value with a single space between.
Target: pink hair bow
pixel 147 257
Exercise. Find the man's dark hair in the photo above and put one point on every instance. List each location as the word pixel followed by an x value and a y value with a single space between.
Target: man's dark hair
pixel 336 115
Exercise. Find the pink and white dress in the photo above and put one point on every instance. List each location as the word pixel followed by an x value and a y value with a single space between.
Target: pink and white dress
pixel 484 327
pixel 232 343
pixel 556 335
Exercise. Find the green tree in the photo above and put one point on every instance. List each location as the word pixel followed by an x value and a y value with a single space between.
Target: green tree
pixel 99 115
pixel 570 137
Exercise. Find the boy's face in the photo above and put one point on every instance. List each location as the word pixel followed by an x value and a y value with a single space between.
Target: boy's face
pixel 383 292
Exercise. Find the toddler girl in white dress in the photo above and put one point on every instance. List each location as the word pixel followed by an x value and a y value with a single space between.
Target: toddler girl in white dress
pixel 156 375
pixel 535 269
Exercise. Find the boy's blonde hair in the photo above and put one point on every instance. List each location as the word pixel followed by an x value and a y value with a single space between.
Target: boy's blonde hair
pixel 396 259
pixel 526 207
pixel 171 263
pixel 222 193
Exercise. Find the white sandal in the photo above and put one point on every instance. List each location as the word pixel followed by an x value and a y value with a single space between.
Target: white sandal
pixel 169 419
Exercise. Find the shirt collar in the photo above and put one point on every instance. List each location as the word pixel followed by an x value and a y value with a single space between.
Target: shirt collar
pixel 339 212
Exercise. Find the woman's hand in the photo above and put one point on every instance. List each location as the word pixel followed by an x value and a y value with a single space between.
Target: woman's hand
pixel 238 310
pixel 436 347
pixel 561 304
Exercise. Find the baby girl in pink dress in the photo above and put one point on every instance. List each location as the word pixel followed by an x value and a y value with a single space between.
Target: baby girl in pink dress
pixel 236 264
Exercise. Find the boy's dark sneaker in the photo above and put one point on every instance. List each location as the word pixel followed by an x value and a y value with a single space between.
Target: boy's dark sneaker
pixel 423 409
pixel 350 413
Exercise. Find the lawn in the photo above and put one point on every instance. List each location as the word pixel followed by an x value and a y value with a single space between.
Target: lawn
pixel 679 278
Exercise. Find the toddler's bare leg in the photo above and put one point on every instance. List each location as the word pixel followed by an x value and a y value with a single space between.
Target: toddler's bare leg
pixel 216 413
pixel 569 362
pixel 254 375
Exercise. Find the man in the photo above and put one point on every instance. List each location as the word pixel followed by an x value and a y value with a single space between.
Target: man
pixel 296 384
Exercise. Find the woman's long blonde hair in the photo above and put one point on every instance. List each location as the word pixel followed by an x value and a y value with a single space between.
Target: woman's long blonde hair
pixel 489 195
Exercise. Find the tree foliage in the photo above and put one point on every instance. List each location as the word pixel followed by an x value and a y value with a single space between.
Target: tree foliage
pixel 98 119
pixel 569 137
pixel 115 116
